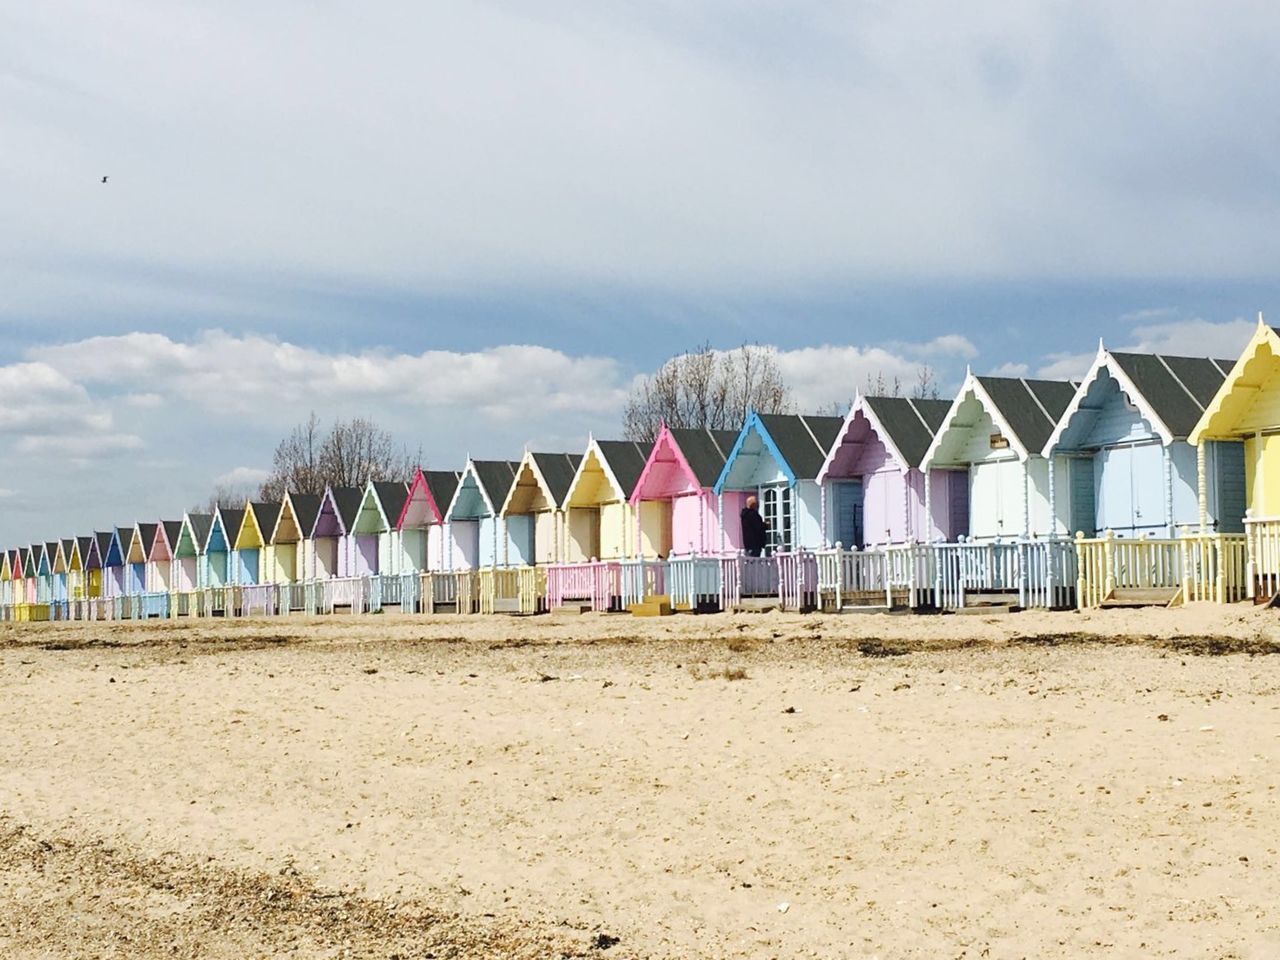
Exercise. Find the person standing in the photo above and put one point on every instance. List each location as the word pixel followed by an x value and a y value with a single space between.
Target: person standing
pixel 754 533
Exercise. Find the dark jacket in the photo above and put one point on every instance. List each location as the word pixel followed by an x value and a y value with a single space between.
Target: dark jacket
pixel 753 532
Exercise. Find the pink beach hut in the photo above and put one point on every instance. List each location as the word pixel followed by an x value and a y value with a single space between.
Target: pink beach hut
pixel 421 521
pixel 674 500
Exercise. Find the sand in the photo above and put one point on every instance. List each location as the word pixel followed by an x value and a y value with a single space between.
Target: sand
pixel 1031 785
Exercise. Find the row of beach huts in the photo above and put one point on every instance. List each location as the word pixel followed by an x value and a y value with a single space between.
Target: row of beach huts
pixel 1155 480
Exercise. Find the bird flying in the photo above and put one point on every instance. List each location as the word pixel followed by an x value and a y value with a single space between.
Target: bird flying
pixel 104 179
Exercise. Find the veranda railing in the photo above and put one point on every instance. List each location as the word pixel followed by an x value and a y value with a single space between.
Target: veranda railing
pixel 1040 572
pixel 1201 566
pixel 790 578
pixel 694 581
pixel 1262 544
pixel 596 582
pixel 642 578
pixel 892 575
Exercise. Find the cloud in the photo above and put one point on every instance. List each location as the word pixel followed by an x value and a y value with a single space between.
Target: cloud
pixel 241 477
pixel 80 450
pixel 688 146
pixel 1010 370
pixel 1066 366
pixel 827 376
pixel 261 376
pixel 950 346
pixel 1223 340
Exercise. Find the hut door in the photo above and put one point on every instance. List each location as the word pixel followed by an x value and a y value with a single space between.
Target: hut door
pixel 847 495
pixel 1147 481
pixel 957 504
pixel 655 528
pixel 775 503
pixel 544 537
pixel 1083 507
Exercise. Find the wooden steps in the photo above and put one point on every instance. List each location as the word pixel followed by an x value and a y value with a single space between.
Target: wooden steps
pixel 1147 597
pixel 655 606
pixel 853 608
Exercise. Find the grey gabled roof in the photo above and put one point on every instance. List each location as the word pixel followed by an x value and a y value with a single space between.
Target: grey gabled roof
pixel 443 484
pixel 705 451
pixel 85 544
pixel 391 494
pixel 495 478
pixel 231 522
pixel 1177 389
pixel 802 440
pixel 347 500
pixel 147 534
pixel 172 531
pixel 626 460
pixel 558 471
pixel 201 524
pixel 266 515
pixel 1020 401
pixel 911 423
pixel 103 540
pixel 306 507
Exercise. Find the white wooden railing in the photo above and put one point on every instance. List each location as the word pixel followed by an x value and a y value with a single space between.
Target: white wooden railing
pixel 694 581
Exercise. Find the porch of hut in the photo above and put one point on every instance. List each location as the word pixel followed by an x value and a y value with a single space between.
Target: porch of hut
pixel 678 526
pixel 599 529
pixel 1246 411
pixel 1019 552
pixel 877 516
pixel 1134 485
pixel 423 538
pixel 332 536
pixel 776 458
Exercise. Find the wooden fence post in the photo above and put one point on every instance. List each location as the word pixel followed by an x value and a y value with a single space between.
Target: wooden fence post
pixel 1108 563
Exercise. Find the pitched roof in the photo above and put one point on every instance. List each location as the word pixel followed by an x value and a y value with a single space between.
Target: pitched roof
pixel 442 484
pixel 704 450
pixel 231 522
pixel 306 506
pixel 201 525
pixel 802 440
pixel 103 541
pixel 1177 389
pixel 910 422
pixel 172 531
pixel 1031 408
pixel 147 534
pixel 85 544
pixel 265 516
pixel 625 460
pixel 347 500
pixel 495 478
pixel 391 494
pixel 558 471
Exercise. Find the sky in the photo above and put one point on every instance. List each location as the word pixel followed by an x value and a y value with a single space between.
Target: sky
pixel 478 222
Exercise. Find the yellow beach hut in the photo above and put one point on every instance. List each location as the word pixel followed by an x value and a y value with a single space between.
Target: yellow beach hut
pixel 1246 409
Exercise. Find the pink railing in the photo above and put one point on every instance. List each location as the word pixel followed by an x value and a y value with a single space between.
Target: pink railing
pixel 598 582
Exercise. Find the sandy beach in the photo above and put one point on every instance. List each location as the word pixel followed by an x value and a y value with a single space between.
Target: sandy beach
pixel 1029 785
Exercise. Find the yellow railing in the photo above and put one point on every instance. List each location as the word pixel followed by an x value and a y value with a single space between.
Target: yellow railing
pixel 1208 567
pixel 512 589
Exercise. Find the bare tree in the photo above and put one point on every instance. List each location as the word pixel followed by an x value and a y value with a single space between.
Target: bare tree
pixel 350 454
pixel 296 463
pixel 926 385
pixel 882 386
pixel 706 388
